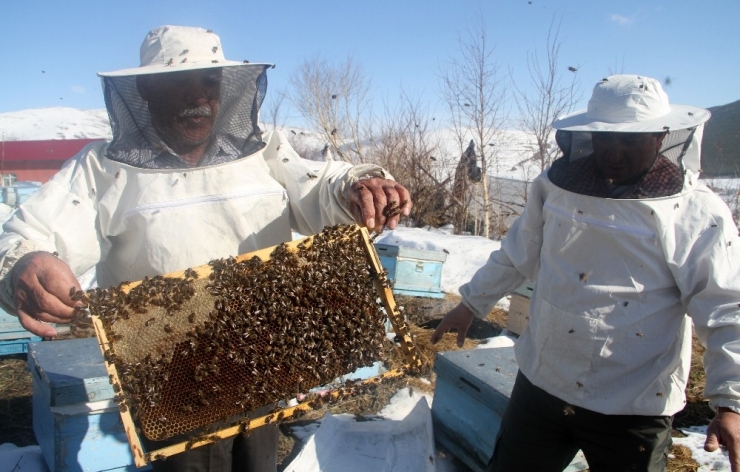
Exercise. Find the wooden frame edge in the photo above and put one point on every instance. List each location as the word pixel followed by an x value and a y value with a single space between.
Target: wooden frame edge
pixel 137 450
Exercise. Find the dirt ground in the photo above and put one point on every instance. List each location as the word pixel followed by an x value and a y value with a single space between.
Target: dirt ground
pixel 423 315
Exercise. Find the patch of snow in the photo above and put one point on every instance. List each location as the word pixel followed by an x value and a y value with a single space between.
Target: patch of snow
pixel 717 461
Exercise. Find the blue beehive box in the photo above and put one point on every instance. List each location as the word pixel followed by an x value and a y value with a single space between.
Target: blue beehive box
pixel 75 419
pixel 14 338
pixel 414 272
pixel 470 395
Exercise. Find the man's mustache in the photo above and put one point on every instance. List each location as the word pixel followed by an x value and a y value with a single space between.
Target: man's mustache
pixel 203 110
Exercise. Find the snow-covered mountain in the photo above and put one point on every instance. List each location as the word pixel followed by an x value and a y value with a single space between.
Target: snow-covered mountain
pixel 510 152
pixel 38 124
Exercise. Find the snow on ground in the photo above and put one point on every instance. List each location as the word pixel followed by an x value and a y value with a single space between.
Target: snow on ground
pixel 399 438
pixel 708 461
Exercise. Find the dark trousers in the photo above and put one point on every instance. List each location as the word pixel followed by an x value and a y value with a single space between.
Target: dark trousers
pixel 254 453
pixel 540 432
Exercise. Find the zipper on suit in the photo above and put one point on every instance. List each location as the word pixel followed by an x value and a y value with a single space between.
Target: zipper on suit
pixel 640 232
pixel 204 199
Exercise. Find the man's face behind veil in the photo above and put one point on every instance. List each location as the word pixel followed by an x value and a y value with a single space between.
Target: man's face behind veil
pixel 183 105
pixel 623 156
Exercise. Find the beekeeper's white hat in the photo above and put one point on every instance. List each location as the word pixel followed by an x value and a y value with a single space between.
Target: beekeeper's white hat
pixel 631 104
pixel 178 48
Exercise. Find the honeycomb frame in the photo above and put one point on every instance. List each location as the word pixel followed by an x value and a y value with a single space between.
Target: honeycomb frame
pixel 337 237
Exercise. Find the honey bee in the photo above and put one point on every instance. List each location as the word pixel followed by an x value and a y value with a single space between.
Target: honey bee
pixel 170 62
pixel 311 175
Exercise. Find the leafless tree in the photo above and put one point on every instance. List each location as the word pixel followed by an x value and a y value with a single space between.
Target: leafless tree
pixel 333 99
pixel 404 145
pixel 273 111
pixel 728 188
pixel 551 94
pixel 475 92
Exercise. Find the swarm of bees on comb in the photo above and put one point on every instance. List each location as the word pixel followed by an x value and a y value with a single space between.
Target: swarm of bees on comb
pixel 211 343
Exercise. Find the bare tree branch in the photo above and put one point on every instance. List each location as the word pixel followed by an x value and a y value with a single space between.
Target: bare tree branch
pixel 475 93
pixel 333 99
pixel 404 146
pixel 274 109
pixel 550 96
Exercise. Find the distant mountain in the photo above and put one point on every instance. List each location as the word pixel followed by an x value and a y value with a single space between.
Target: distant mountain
pixel 40 124
pixel 720 150
pixel 510 160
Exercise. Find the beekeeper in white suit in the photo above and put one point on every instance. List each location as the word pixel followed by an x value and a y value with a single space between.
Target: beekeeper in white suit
pixel 187 178
pixel 623 240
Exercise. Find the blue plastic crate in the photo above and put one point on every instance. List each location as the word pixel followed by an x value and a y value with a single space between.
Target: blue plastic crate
pixel 16 346
pixel 14 338
pixel 414 272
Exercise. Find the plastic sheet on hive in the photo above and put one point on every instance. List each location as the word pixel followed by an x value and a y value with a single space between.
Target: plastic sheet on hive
pixel 201 347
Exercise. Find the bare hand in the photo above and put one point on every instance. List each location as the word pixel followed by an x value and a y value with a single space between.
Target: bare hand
pixel 459 318
pixel 378 203
pixel 42 285
pixel 725 430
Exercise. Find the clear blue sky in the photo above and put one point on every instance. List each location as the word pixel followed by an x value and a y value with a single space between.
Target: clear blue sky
pixel 399 43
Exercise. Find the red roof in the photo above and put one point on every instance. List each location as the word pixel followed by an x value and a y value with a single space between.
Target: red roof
pixel 54 150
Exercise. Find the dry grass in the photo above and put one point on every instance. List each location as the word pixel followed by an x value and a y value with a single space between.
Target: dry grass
pixel 697 411
pixel 681 460
pixel 15 402
pixel 423 315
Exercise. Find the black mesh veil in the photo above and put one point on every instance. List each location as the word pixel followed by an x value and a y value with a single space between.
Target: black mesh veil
pixel 678 159
pixel 136 142
pixel 679 146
